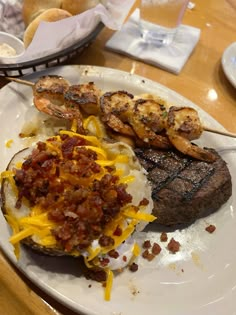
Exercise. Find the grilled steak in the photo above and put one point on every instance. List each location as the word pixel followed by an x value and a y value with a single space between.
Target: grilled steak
pixel 184 189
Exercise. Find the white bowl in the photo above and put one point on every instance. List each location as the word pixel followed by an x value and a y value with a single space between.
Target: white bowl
pixel 13 42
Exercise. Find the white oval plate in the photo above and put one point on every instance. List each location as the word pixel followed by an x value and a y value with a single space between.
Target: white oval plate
pixel 199 279
pixel 229 63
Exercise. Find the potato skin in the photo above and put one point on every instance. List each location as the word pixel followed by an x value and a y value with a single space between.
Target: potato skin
pixel 49 251
pixel 16 157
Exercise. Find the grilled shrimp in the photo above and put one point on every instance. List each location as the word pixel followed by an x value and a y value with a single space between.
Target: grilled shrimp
pixel 184 121
pixel 116 108
pixel 54 96
pixel 49 95
pixel 152 113
pixel 134 118
pixel 148 121
pixel 183 125
pixel 83 96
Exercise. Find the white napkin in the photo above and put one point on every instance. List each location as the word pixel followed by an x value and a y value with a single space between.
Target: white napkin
pixel 11 17
pixel 172 58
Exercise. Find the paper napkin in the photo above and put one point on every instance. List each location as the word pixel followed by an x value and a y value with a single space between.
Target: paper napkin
pixel 128 41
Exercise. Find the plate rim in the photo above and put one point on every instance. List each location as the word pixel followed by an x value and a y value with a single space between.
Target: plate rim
pixel 34 280
pixel 224 61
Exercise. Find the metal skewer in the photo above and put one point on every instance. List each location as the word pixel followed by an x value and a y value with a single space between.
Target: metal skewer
pixel 223 133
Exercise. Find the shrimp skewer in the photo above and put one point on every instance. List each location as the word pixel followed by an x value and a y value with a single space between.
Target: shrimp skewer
pixel 157 126
pixel 146 120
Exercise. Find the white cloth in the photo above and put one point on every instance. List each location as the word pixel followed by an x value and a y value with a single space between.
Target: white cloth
pixel 11 17
pixel 128 41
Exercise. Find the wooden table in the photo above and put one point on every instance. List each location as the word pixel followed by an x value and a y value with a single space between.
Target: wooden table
pixel 202 80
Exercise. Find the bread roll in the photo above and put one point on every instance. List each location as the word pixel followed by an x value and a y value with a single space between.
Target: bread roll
pixel 32 8
pixel 50 15
pixel 78 6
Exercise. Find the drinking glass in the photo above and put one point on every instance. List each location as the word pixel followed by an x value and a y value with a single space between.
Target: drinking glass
pixel 160 19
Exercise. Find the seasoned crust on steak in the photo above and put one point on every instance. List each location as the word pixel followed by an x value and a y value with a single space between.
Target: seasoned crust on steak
pixel 184 189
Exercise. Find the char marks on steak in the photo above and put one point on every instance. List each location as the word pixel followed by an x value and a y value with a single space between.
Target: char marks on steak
pixel 184 189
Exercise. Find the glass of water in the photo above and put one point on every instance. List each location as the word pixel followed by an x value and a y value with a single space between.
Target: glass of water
pixel 160 19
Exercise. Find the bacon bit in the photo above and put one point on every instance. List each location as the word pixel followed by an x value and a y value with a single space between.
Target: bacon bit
pixel 147 255
pixel 118 231
pixel 96 274
pixel 144 202
pixel 147 244
pixel 163 237
pixel 210 228
pixel 133 267
pixel 105 240
pixel 113 254
pixel 124 258
pixel 156 249
pixel 104 262
pixel 173 246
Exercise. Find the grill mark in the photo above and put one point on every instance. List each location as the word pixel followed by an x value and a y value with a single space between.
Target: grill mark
pixel 160 164
pixel 196 186
pixel 170 179
pixel 199 185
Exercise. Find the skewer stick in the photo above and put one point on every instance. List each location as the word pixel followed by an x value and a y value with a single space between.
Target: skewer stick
pixel 224 133
pixel 20 81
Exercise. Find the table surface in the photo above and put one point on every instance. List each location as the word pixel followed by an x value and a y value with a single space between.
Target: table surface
pixel 202 81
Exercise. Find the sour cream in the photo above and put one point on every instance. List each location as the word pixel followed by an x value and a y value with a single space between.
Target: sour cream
pixel 125 251
pixel 6 50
